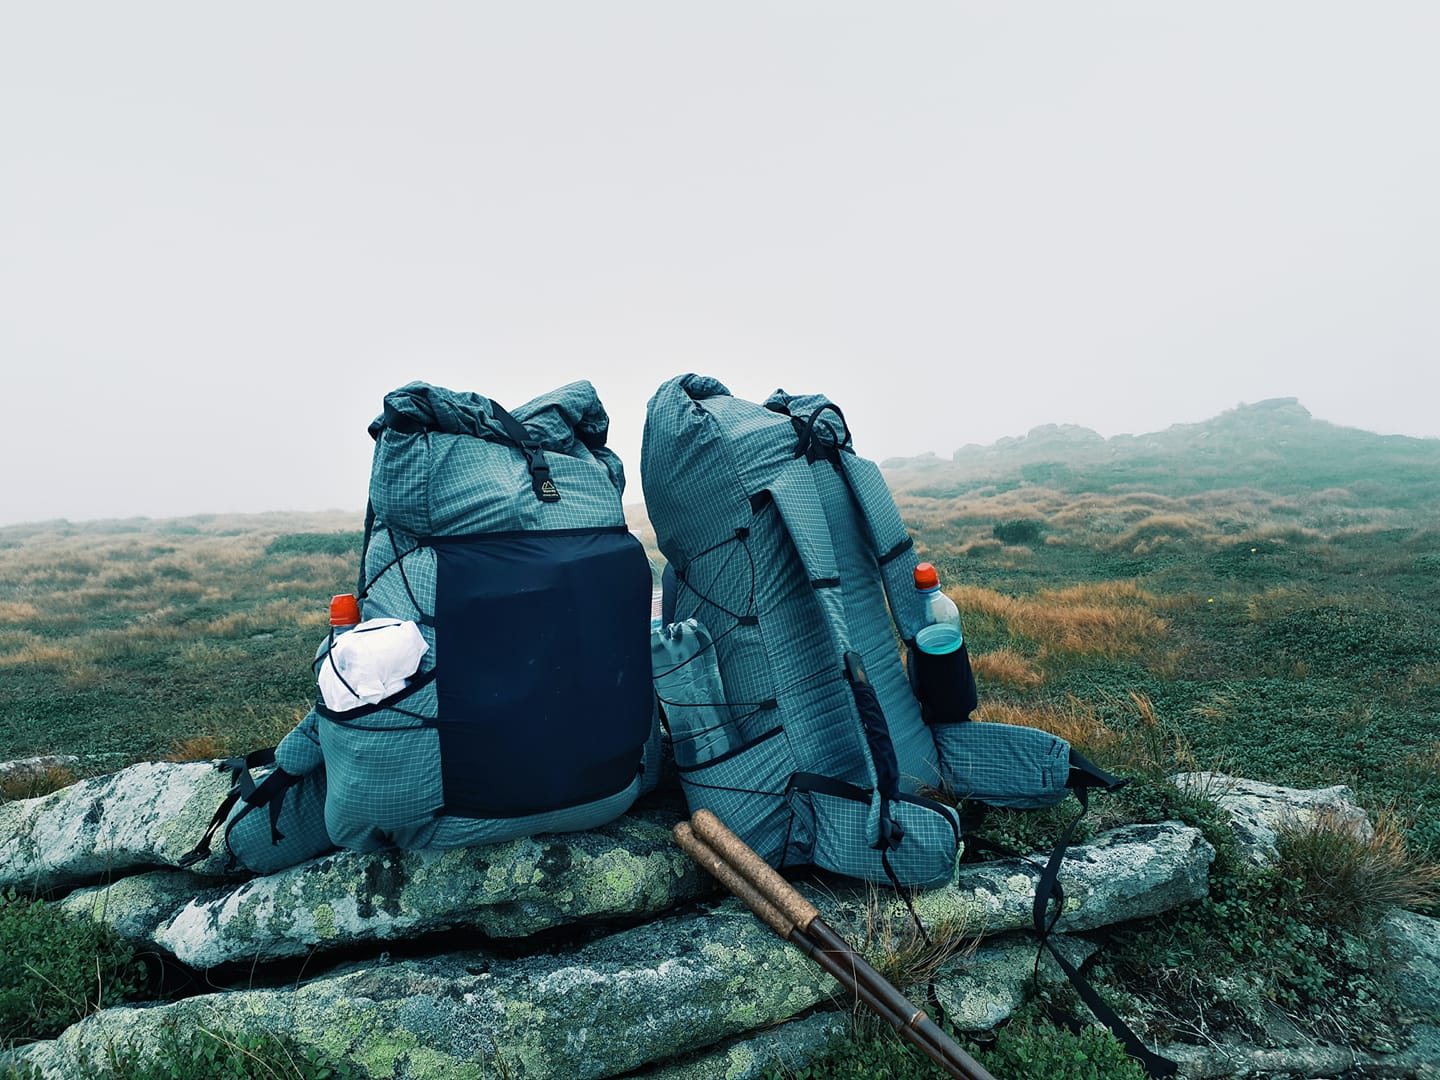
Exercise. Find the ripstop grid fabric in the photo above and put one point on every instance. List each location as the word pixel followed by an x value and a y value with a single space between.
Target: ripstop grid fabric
pixel 772 559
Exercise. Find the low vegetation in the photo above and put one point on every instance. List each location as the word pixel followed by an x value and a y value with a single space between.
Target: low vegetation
pixel 1256 596
pixel 55 970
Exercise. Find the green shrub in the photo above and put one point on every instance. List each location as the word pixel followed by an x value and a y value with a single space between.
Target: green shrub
pixel 55 968
pixel 212 1054
pixel 1031 1049
pixel 1019 531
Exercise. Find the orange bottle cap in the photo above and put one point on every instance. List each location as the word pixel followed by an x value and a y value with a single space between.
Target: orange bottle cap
pixel 344 610
pixel 926 577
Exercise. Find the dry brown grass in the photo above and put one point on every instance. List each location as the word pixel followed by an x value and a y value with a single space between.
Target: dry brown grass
pixel 901 953
pixel 1107 618
pixel 39 652
pixel 1142 744
pixel 18 611
pixel 1007 667
pixel 973 547
pixel 1134 521
pixel 1076 723
pixel 199 748
pixel 32 785
pixel 265 616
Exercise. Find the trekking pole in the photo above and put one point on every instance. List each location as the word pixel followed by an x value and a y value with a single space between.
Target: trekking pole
pixel 776 902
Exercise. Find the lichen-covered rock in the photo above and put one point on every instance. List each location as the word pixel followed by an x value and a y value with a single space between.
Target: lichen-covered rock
pixel 1128 873
pixel 628 869
pixel 145 816
pixel 984 988
pixel 789 1047
pixel 633 998
pixel 1259 812
pixel 136 906
pixel 1414 946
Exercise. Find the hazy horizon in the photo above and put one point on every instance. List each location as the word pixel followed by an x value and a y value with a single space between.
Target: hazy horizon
pixel 634 497
pixel 226 234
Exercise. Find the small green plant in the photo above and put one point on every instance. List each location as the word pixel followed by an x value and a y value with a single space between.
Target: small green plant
pixel 205 1053
pixel 1025 1048
pixel 55 968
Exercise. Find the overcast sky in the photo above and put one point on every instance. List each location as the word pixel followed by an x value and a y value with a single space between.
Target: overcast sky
pixel 226 231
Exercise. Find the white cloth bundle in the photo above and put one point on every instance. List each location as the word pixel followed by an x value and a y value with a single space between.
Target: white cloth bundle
pixel 370 662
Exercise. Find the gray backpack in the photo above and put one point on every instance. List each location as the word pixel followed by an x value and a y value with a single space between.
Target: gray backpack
pixel 787 548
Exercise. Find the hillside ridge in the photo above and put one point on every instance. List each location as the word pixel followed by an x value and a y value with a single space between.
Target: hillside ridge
pixel 1274 444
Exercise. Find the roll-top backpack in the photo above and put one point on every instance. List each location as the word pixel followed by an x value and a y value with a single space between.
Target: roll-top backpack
pixel 504 539
pixel 787 548
pixel 498 543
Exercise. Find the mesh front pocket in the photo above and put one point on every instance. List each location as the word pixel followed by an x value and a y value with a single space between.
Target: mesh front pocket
pixel 1003 764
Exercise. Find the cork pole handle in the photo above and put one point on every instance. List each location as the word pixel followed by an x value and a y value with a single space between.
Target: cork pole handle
pixel 711 860
pixel 755 870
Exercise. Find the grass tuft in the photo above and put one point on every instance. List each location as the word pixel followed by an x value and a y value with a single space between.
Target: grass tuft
pixel 1007 667
pixel 199 748
pixel 32 785
pixel 1350 873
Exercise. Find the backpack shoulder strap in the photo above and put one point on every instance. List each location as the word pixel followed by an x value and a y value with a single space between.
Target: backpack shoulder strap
pixel 793 490
pixel 890 540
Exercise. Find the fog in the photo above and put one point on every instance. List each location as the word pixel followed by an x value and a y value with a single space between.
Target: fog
pixel 227 232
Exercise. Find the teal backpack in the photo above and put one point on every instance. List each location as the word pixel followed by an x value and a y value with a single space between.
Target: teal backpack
pixel 502 539
pixel 788 550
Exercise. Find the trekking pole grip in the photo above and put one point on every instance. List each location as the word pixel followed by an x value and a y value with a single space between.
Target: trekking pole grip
pixel 754 869
pixel 712 861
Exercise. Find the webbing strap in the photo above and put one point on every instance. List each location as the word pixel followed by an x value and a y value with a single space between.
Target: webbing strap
pixel 540 481
pixel 202 849
pixel 244 787
pixel 1049 889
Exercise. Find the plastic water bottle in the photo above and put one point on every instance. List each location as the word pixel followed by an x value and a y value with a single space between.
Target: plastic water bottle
pixel 941 633
pixel 344 612
pixel 344 615
pixel 687 682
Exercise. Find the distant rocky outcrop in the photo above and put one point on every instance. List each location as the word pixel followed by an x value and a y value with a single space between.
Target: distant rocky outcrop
pixel 583 955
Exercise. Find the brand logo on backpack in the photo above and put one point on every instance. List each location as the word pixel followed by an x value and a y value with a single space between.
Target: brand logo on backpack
pixel 549 492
